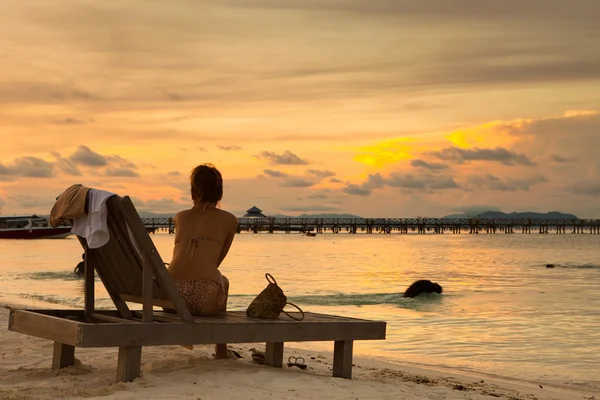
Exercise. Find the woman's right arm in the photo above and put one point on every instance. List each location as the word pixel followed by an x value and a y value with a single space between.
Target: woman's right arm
pixel 228 240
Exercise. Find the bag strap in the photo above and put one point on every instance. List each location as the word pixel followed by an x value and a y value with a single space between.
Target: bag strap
pixel 271 280
pixel 292 317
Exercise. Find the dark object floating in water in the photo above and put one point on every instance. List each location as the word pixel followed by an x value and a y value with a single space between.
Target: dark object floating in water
pixel 422 286
pixel 550 265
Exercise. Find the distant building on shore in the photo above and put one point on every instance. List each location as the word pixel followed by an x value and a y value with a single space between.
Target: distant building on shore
pixel 254 212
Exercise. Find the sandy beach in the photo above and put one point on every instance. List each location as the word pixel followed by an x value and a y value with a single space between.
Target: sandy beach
pixel 174 372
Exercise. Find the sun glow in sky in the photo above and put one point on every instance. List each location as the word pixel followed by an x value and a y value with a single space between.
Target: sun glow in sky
pixel 375 108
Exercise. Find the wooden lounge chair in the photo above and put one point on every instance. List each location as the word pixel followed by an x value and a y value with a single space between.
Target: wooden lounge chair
pixel 132 271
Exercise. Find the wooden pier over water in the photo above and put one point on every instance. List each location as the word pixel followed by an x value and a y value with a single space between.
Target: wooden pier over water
pixel 402 225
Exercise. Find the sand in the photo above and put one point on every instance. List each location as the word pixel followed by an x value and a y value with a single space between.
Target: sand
pixel 174 372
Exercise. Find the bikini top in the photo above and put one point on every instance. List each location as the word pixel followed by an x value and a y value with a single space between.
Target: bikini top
pixel 192 243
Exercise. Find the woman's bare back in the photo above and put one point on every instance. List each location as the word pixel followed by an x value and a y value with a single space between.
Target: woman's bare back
pixel 203 236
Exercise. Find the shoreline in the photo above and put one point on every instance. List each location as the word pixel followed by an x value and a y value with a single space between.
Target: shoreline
pixel 171 372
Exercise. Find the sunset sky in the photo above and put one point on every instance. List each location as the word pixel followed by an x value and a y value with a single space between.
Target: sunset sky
pixel 377 108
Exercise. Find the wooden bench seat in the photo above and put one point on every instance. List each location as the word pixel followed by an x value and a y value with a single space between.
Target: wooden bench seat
pixel 69 329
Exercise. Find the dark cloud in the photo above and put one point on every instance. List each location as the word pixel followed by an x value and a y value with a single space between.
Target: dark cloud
pixel 34 167
pixel 321 173
pixel 28 167
pixel 174 173
pixel 546 45
pixel 335 180
pixel 41 92
pixel 491 182
pixel 406 182
pixel 121 172
pixel 297 182
pixel 70 121
pixel 317 196
pixel 534 50
pixel 498 154
pixel 114 165
pixel 287 158
pixel 65 165
pixel 230 148
pixel 559 159
pixel 85 156
pixel 417 182
pixel 442 11
pixel 357 190
pixel 275 174
pixel 121 162
pixel 431 166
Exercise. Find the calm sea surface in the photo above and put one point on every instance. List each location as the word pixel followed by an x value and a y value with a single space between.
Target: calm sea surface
pixel 502 312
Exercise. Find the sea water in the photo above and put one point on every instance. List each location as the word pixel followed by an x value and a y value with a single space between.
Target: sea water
pixel 502 312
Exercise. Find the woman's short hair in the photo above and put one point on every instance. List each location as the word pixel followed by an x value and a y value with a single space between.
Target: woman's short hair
pixel 206 184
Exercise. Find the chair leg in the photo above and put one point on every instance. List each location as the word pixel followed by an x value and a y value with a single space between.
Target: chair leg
pixel 63 355
pixel 274 354
pixel 342 359
pixel 129 363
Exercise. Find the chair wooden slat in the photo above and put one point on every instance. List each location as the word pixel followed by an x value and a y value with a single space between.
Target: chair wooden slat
pixel 143 240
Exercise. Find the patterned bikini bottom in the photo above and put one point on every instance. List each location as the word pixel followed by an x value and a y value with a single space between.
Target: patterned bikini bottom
pixel 196 293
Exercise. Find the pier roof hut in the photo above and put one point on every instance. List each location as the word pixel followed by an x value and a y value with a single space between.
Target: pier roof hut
pixel 254 212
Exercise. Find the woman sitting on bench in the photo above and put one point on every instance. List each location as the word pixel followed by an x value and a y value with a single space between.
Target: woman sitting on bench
pixel 203 235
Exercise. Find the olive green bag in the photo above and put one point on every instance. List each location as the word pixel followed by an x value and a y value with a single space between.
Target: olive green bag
pixel 270 302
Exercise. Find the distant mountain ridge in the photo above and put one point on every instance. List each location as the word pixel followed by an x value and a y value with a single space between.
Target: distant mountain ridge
pixel 317 216
pixel 516 215
pixel 147 214
pixel 486 214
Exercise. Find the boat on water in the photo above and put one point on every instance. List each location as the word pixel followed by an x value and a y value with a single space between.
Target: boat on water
pixel 36 227
pixel 30 227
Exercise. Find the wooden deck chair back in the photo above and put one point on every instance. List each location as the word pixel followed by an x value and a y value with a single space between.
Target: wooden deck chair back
pixel 130 267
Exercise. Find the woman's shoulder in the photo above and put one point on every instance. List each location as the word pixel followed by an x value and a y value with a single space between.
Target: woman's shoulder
pixel 182 214
pixel 226 215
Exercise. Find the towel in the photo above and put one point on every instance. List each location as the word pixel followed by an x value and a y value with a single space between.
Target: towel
pixel 93 226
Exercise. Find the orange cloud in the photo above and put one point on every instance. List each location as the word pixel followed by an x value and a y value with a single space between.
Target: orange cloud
pixel 578 113
pixel 385 153
pixel 492 134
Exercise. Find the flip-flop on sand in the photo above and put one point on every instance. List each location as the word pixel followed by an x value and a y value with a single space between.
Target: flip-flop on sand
pixel 296 362
pixel 258 357
pixel 232 354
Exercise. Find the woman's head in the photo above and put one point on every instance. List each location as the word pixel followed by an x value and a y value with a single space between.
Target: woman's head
pixel 206 185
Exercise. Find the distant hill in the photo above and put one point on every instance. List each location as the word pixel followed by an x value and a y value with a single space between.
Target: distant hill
pixel 147 214
pixel 516 215
pixel 316 216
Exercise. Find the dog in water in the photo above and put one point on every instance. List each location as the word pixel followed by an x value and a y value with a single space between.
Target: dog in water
pixel 422 286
